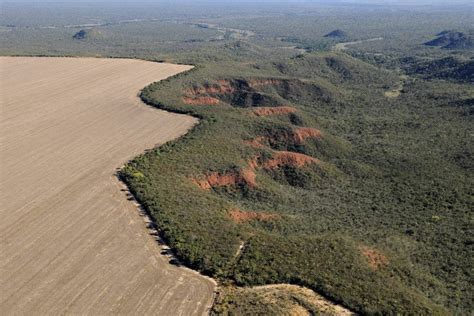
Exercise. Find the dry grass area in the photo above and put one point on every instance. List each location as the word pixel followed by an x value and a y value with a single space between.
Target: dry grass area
pixel 71 242
pixel 300 300
pixel 276 299
pixel 397 91
pixel 240 216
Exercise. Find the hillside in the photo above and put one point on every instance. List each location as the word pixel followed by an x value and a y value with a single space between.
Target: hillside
pixel 448 68
pixel 302 176
pixel 453 40
pixel 86 34
pixel 336 34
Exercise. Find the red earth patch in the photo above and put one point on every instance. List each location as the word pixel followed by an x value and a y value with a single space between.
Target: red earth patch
pixel 215 179
pixel 301 134
pixel 222 87
pixel 287 158
pixel 201 101
pixel 375 258
pixel 278 110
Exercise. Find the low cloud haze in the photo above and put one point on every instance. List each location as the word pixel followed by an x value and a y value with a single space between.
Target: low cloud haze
pixel 387 2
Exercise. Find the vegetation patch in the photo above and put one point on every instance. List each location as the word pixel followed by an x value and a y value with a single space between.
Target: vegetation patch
pixel 452 68
pixel 342 168
pixel 453 40
pixel 240 216
pixel 87 34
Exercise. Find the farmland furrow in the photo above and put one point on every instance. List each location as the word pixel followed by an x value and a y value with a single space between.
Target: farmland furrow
pixel 71 242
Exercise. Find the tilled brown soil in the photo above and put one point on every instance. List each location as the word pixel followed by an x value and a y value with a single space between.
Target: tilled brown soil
pixel 71 242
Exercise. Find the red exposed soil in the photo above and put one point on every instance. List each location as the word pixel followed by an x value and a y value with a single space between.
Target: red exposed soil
pixel 226 87
pixel 253 164
pixel 301 134
pixel 200 95
pixel 240 216
pixel 222 87
pixel 201 100
pixel 226 84
pixel 268 111
pixel 286 158
pixel 249 177
pixel 298 136
pixel 215 179
pixel 257 142
pixel 375 258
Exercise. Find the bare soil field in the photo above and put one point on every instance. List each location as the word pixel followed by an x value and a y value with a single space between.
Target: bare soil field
pixel 71 241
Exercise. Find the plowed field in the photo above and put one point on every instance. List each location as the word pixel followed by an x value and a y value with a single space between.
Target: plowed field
pixel 71 241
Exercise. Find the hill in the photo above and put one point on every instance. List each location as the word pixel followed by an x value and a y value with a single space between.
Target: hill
pixel 86 34
pixel 336 34
pixel 303 165
pixel 453 40
pixel 448 68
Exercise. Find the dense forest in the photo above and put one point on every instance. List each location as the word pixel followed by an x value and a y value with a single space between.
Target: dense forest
pixel 312 167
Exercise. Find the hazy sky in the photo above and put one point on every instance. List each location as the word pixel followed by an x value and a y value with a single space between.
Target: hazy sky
pixel 437 2
pixel 378 2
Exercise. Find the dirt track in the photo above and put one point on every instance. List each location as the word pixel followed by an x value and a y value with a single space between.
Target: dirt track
pixel 71 242
pixel 344 46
